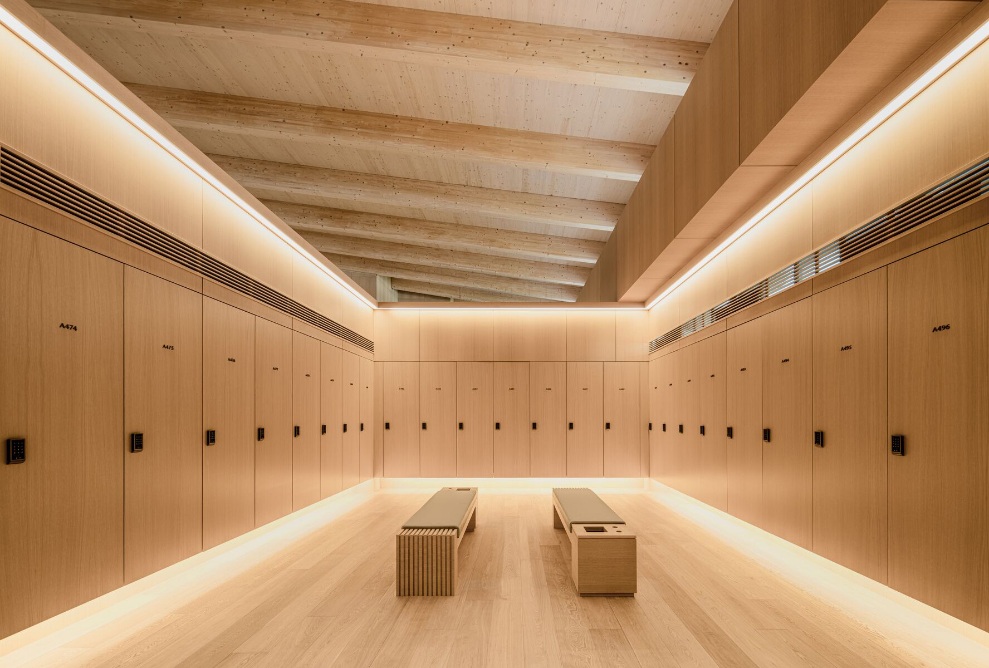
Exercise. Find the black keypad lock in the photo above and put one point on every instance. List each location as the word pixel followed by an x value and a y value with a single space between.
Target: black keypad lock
pixel 210 437
pixel 137 442
pixel 731 432
pixel 460 426
pixel 345 427
pixel 819 439
pixel 533 426
pixel 424 426
pixel 260 434
pixel 570 425
pixel 702 430
pixel 388 425
pixel 322 430
pixel 296 430
pixel 898 445
pixel 767 435
pixel 362 426
pixel 664 426
pixel 16 450
pixel 607 425
pixel 497 426
pixel 680 428
pixel 650 426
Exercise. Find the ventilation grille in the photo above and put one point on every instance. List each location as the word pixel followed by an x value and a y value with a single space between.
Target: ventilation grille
pixel 939 200
pixel 28 178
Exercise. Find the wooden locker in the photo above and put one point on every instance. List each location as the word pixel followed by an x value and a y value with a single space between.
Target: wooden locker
pixel 645 421
pixel 787 457
pixel 306 473
pixel 163 372
pixel 585 419
pixel 511 417
pixel 61 354
pixel 850 502
pixel 622 428
pixel 351 435
pixel 712 454
pixel 273 413
pixel 401 419
pixel 331 420
pixel 938 399
pixel 655 414
pixel 228 413
pixel 475 419
pixel 438 419
pixel 664 460
pixel 744 418
pixel 685 438
pixel 367 418
pixel 548 419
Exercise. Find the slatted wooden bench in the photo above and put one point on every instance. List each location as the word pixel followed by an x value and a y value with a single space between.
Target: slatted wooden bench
pixel 602 548
pixel 426 548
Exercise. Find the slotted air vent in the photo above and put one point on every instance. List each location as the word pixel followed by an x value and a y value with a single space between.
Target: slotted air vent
pixel 939 200
pixel 26 177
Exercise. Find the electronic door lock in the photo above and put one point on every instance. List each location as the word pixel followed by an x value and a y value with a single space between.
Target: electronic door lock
pixel 898 445
pixel 819 439
pixel 260 434
pixel 767 435
pixel 210 437
pixel 137 442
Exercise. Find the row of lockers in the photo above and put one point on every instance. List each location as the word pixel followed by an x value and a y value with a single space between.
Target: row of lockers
pixel 852 423
pixel 514 419
pixel 132 410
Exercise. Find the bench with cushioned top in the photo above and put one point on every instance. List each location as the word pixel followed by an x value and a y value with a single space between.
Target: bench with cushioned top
pixel 602 548
pixel 426 548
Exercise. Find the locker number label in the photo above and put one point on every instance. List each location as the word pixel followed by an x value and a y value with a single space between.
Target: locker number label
pixel 940 328
pixel 69 326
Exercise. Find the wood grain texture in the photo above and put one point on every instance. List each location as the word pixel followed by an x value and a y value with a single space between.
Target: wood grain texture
pixel 273 411
pixel 744 417
pixel 401 418
pixel 511 416
pixel 306 472
pixel 533 336
pixel 367 419
pixel 548 417
pixel 456 336
pixel 591 336
pixel 585 411
pixel 438 419
pixel 458 294
pixel 622 404
pixel 228 409
pixel 350 385
pixel 331 415
pixel 937 491
pixel 163 372
pixel 712 444
pixel 475 442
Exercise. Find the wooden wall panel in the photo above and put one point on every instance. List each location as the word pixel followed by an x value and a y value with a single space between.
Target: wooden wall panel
pixel 331 418
pixel 475 441
pixel 511 417
pixel 686 439
pixel 622 405
pixel 438 418
pixel 631 340
pixel 655 375
pixel 711 372
pixel 350 389
pixel 938 399
pixel 585 412
pixel 457 336
pixel 400 443
pixel 228 409
pixel 306 418
pixel 850 504
pixel 163 484
pixel 273 377
pixel 591 336
pixel 787 457
pixel 645 419
pixel 548 419
pixel 537 336
pixel 665 460
pixel 744 417
pixel 379 419
pixel 367 419
pixel 396 335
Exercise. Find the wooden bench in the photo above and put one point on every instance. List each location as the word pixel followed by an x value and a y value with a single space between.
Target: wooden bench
pixel 426 548
pixel 602 549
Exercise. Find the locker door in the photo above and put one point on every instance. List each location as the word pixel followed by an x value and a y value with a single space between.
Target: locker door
pixel 686 440
pixel 511 416
pixel 163 482
pixel 438 419
pixel 850 503
pixel 475 411
pixel 548 419
pixel 744 418
pixel 645 419
pixel 711 445
pixel 665 425
pixel 228 411
pixel 61 357
pixel 787 457
pixel 367 418
pixel 655 373
pixel 401 418
pixel 585 412
pixel 331 419
pixel 351 389
pixel 938 398
pixel 622 456
pixel 273 413
pixel 306 472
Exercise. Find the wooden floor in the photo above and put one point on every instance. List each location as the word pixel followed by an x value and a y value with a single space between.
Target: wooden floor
pixel 328 599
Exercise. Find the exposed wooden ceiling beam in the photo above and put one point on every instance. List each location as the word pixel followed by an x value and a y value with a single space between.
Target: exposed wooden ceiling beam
pixel 360 188
pixel 543 272
pixel 458 293
pixel 468 279
pixel 254 117
pixel 450 236
pixel 553 53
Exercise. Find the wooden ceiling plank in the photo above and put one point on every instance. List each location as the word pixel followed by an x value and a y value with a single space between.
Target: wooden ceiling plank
pixel 553 53
pixel 365 188
pixel 542 272
pixel 253 117
pixel 467 279
pixel 449 236
pixel 459 293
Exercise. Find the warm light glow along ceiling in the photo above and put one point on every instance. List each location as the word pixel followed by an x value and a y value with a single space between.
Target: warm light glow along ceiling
pixel 913 90
pixel 52 54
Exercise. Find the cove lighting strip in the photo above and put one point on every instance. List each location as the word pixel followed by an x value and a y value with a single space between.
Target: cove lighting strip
pixel 52 54
pixel 913 90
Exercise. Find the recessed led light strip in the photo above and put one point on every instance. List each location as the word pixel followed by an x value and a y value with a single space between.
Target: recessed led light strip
pixel 953 57
pixel 52 54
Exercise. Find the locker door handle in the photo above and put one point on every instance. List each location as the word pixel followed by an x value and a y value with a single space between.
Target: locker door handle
pixel 650 426
pixel 295 430
pixel 460 426
pixel 731 432
pixel 424 426
pixel 210 437
pixel 388 425
pixel 571 425
pixel 767 435
pixel 664 426
pixel 680 428
pixel 607 425
pixel 260 434
pixel 497 426
pixel 322 429
pixel 362 426
pixel 819 439
pixel 702 430
pixel 345 427
pixel 533 426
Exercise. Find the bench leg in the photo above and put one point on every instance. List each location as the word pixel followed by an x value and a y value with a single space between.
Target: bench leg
pixel 557 522
pixel 426 562
pixel 473 521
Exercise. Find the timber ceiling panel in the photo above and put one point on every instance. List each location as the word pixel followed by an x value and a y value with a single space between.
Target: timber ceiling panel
pixel 486 151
